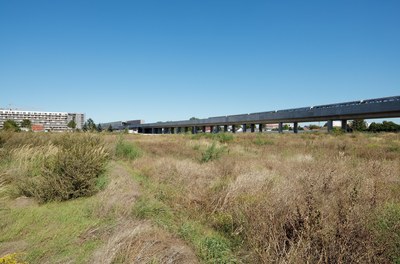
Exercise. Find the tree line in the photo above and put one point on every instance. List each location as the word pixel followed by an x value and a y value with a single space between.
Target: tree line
pixel 88 126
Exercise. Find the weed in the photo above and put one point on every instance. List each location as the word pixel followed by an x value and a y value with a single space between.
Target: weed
pixel 215 249
pixel 213 152
pixel 127 150
pixel 13 258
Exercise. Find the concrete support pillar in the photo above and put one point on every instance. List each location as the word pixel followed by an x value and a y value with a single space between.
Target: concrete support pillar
pixel 217 129
pixel 233 128
pixel 280 128
pixel 344 125
pixel 244 128
pixel 252 128
pixel 194 130
pixel 330 125
pixel 225 128
pixel 211 129
pixel 296 127
pixel 260 128
pixel 152 131
pixel 179 130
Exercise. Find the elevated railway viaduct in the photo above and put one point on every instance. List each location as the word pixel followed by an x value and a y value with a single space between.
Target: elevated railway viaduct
pixel 387 107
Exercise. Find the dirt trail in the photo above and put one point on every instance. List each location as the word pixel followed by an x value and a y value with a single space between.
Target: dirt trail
pixel 133 241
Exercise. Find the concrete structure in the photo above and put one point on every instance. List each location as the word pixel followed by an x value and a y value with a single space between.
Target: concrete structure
pixel 122 125
pixel 387 107
pixel 51 121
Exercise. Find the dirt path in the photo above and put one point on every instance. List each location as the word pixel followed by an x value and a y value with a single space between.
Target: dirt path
pixel 134 241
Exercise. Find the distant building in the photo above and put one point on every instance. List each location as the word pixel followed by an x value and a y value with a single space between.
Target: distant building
pixel 50 121
pixel 121 125
pixel 37 128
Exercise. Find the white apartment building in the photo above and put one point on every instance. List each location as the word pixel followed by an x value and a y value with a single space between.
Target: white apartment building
pixel 51 121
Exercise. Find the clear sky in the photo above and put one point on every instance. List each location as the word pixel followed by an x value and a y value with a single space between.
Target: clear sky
pixel 172 60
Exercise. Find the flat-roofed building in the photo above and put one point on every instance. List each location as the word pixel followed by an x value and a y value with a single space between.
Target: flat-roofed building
pixel 51 121
pixel 121 125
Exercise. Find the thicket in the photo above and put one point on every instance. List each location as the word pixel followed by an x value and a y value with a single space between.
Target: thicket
pixel 53 167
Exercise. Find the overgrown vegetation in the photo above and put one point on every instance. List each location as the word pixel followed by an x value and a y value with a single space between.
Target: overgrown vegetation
pixel 309 198
pixel 65 167
pixel 285 198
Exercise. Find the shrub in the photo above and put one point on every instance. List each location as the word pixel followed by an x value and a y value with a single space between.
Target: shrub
pixel 68 168
pixel 127 150
pixel 213 152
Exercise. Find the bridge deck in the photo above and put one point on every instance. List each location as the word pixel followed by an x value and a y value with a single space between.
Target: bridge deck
pixel 387 107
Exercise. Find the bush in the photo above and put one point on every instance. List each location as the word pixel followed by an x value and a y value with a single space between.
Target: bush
pixel 68 168
pixel 212 153
pixel 127 150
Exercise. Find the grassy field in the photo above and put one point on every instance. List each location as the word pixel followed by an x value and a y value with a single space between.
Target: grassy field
pixel 205 198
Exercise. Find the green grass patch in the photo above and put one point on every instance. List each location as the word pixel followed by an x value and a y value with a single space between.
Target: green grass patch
pixel 54 232
pixel 127 150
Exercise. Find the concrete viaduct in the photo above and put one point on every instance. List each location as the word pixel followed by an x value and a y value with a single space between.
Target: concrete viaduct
pixel 387 107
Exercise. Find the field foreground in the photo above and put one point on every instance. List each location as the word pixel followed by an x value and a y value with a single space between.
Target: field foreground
pixel 250 198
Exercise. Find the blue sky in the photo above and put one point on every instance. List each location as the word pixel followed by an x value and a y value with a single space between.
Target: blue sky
pixel 171 60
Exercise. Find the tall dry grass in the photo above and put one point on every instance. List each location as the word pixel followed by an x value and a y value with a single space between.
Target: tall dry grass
pixel 312 198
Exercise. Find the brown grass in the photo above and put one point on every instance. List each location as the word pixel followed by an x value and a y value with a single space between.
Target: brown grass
pixel 307 198
pixel 284 198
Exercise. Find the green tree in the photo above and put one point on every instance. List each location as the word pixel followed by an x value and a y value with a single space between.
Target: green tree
pixel 26 123
pixel 11 125
pixel 72 124
pixel 386 126
pixel 85 127
pixel 358 125
pixel 99 128
pixel 109 129
pixel 91 126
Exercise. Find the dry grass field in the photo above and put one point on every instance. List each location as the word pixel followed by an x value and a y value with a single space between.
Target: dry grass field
pixel 205 198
